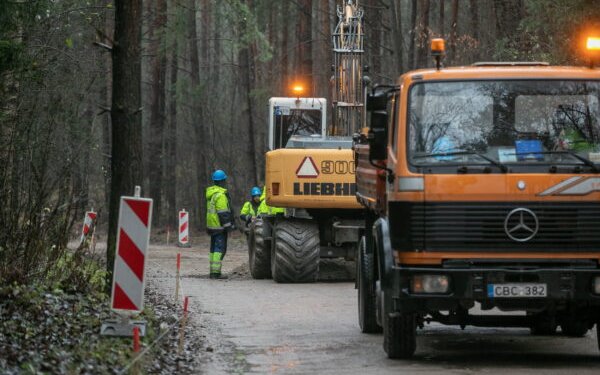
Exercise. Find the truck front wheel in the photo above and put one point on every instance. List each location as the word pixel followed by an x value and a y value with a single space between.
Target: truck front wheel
pixel 367 298
pixel 598 334
pixel 573 327
pixel 543 324
pixel 400 335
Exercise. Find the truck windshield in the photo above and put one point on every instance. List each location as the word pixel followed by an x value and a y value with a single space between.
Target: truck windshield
pixel 295 122
pixel 530 124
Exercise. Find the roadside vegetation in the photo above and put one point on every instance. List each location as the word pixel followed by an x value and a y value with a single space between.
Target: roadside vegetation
pixel 51 323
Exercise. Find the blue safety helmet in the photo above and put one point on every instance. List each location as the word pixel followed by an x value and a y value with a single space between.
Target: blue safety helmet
pixel 219 175
pixel 255 192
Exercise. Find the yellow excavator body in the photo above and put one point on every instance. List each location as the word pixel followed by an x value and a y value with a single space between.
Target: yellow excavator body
pixel 311 178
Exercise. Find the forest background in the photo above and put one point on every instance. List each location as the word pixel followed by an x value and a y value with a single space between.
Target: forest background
pixel 208 68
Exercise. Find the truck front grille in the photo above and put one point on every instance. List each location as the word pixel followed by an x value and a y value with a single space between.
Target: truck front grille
pixel 480 226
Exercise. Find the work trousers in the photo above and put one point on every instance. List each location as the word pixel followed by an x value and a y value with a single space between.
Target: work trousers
pixel 218 249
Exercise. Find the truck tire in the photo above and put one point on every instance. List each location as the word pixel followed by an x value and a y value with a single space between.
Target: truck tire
pixel 367 298
pixel 400 335
pixel 598 333
pixel 259 251
pixel 543 325
pixel 296 252
pixel 574 328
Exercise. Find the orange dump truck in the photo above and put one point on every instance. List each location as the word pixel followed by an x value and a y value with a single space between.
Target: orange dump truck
pixel 481 185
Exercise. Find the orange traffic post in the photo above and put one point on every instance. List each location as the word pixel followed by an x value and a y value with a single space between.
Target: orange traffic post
pixel 183 324
pixel 136 350
pixel 177 277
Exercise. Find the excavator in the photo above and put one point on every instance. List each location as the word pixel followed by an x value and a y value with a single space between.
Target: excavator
pixel 310 169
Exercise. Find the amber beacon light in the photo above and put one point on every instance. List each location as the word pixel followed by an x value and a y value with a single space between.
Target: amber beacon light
pixel 593 43
pixel 438 50
pixel 298 90
pixel 593 48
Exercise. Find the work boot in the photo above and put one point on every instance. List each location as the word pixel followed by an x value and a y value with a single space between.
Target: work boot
pixel 218 276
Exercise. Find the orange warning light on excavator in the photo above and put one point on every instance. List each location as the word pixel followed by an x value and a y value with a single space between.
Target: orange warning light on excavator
pixel 593 43
pixel 298 89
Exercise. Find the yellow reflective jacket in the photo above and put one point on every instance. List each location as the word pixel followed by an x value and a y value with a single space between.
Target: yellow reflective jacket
pixel 249 211
pixel 218 211
pixel 265 209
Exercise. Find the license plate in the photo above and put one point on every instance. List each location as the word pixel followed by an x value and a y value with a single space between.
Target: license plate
pixel 520 290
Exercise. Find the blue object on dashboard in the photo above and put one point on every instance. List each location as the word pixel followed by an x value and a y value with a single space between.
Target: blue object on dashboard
pixel 443 145
pixel 529 149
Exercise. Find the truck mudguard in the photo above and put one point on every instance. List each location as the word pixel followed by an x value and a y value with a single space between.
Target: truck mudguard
pixel 383 245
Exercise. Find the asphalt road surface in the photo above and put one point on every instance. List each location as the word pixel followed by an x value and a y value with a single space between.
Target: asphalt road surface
pixel 258 326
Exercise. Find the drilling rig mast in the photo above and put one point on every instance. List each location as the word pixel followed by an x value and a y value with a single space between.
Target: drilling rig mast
pixel 348 51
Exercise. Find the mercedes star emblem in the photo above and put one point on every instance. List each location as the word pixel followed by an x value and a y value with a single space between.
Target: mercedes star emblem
pixel 521 224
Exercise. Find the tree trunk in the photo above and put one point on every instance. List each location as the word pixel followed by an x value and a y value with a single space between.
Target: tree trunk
pixel 475 19
pixel 321 49
pixel 423 34
pixel 304 56
pixel 453 31
pixel 374 37
pixel 509 14
pixel 126 116
pixel 106 95
pixel 247 56
pixel 398 36
pixel 285 48
pixel 157 114
pixel 441 21
pixel 197 112
pixel 171 135
pixel 413 32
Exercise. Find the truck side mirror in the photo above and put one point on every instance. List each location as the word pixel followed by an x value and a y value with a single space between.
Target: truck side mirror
pixel 378 137
pixel 377 103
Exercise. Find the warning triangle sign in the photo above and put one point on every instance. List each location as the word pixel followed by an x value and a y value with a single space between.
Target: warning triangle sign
pixel 307 169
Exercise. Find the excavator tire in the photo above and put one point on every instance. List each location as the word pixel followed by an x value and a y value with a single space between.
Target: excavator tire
pixel 296 252
pixel 367 298
pixel 259 251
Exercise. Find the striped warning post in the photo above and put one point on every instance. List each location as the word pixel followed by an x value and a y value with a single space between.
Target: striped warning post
pixel 184 228
pixel 135 216
pixel 88 222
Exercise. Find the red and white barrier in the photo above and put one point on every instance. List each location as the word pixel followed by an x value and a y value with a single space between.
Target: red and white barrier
pixel 88 223
pixel 135 217
pixel 184 228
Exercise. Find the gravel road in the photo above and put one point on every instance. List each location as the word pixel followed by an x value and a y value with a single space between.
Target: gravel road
pixel 258 326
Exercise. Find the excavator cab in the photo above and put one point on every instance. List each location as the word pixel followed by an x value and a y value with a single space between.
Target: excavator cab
pixel 292 120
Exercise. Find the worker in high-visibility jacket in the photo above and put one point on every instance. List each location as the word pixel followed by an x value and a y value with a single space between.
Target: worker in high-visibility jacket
pixel 250 208
pixel 265 209
pixel 219 221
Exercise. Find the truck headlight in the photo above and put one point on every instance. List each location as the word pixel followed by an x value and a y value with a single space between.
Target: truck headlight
pixel 432 284
pixel 596 285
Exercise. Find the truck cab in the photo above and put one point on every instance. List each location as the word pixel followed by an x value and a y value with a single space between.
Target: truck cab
pixel 481 186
